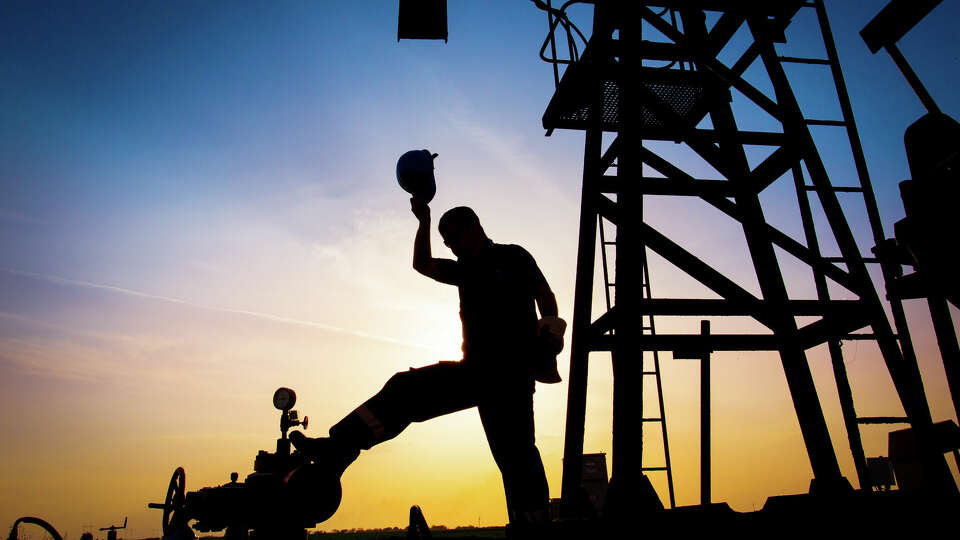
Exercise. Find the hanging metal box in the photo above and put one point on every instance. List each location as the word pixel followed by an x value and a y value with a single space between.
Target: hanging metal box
pixel 422 19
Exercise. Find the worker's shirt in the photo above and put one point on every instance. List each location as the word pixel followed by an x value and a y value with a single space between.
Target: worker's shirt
pixel 497 306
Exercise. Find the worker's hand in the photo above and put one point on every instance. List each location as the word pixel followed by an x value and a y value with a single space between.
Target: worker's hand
pixel 550 330
pixel 420 208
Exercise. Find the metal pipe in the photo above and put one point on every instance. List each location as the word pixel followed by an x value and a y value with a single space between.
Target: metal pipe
pixel 912 78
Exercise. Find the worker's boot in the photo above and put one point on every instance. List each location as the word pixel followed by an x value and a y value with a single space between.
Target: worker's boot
pixel 326 451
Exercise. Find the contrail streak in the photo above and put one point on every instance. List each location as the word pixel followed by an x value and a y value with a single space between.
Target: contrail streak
pixel 256 314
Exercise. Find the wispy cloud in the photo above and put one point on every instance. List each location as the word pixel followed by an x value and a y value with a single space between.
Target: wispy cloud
pixel 255 314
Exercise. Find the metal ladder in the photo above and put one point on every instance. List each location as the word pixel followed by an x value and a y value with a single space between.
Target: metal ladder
pixel 889 269
pixel 655 373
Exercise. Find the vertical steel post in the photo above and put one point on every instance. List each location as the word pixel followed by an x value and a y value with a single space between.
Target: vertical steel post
pixel 949 351
pixel 844 392
pixel 627 360
pixel 582 302
pixel 705 459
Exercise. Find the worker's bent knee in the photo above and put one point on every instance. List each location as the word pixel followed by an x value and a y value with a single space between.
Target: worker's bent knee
pixel 417 381
pixel 401 391
pixel 399 383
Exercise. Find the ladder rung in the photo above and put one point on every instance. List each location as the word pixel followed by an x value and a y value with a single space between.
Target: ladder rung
pixel 653 419
pixel 611 284
pixel 882 420
pixel 865 337
pixel 609 243
pixel 843 189
pixel 653 468
pixel 796 60
pixel 843 259
pixel 812 122
pixel 649 373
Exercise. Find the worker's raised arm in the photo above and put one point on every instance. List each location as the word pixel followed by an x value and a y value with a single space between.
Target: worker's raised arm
pixel 442 270
pixel 546 301
pixel 550 328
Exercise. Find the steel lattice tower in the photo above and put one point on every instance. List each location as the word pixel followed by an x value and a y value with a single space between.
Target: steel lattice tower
pixel 612 88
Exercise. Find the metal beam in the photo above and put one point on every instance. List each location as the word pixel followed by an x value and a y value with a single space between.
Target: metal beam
pixel 649 185
pixel 710 62
pixel 723 31
pixel 606 208
pixel 700 270
pixel 779 238
pixel 769 170
pixel 686 307
pixel 717 307
pixel 761 7
pixel 895 20
pixel 693 344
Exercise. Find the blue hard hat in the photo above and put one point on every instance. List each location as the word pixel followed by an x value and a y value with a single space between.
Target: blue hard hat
pixel 415 174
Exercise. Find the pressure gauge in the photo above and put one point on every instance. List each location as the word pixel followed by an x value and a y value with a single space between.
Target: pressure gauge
pixel 284 399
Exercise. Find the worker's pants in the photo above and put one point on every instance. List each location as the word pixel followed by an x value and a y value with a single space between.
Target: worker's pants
pixel 506 412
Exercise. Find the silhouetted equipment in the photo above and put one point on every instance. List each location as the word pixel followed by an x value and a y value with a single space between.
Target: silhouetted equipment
pixel 282 497
pixel 881 473
pixel 929 198
pixel 30 520
pixel 418 528
pixel 894 21
pixel 422 19
pixel 415 174
pixel 593 493
pixel 704 357
pixel 930 202
pixel 891 24
pixel 595 481
pixel 112 530
pixel 674 87
pixel 907 453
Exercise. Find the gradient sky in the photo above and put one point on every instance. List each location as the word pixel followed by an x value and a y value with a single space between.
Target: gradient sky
pixel 198 205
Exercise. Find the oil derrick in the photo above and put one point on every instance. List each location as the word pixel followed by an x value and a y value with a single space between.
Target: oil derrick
pixel 676 88
pixel 932 145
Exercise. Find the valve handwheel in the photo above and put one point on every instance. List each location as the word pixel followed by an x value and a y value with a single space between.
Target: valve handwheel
pixel 173 504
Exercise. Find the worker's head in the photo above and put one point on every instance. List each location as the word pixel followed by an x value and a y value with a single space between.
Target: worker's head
pixel 461 231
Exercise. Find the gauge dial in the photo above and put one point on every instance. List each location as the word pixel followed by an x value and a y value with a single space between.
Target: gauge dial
pixel 284 399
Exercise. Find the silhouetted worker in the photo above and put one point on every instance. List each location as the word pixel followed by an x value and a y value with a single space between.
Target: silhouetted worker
pixel 505 349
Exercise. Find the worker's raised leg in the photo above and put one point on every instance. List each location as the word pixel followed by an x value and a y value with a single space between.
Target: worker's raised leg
pixel 409 396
